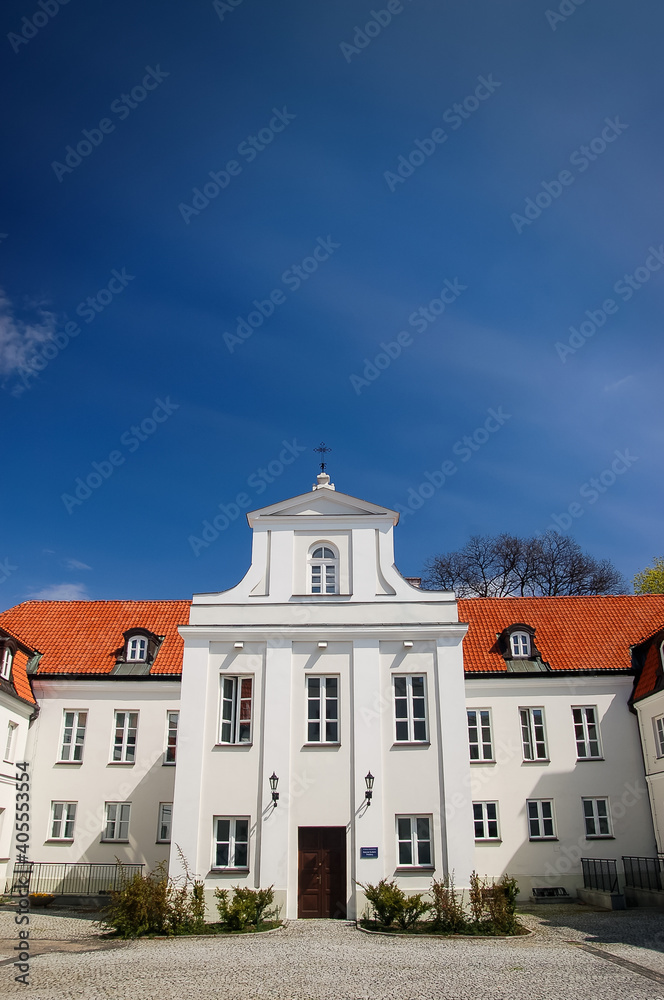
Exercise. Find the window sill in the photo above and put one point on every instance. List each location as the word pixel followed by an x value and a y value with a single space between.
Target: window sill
pixel 103 841
pixel 415 868
pixel 411 743
pixel 68 763
pixel 491 760
pixel 583 760
pixel 162 841
pixel 232 746
pixel 319 744
pixel 600 836
pixel 168 763
pixel 121 763
pixel 229 871
pixel 59 840
pixel 537 840
pixel 540 760
pixel 488 840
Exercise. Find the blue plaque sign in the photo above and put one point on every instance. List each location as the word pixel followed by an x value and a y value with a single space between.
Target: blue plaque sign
pixel 368 852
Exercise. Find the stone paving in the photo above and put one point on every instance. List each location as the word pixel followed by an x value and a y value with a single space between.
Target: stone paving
pixel 331 960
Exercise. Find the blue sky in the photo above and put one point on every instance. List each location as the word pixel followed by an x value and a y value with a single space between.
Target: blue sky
pixel 526 205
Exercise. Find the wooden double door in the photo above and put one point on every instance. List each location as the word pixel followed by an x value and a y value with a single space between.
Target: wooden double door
pixel 321 871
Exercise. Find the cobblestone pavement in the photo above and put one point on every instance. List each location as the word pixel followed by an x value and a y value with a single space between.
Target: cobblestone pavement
pixel 331 960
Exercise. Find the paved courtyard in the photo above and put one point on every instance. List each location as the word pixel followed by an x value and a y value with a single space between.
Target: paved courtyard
pixel 574 952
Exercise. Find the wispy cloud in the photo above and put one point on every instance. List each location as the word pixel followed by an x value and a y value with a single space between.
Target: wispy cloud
pixel 620 384
pixel 60 592
pixel 75 564
pixel 19 339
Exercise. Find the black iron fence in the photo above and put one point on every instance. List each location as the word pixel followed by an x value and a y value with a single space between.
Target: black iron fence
pixel 71 879
pixel 600 874
pixel 644 873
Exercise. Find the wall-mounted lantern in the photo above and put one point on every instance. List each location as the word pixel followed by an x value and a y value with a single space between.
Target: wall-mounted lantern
pixel 274 781
pixel 369 782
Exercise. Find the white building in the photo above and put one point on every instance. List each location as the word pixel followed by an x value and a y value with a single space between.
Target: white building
pixel 324 675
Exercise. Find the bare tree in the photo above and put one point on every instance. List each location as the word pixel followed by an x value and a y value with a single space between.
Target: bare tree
pixel 508 566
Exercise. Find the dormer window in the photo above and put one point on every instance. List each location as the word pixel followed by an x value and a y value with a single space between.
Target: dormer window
pixel 520 643
pixel 6 662
pixel 137 649
pixel 324 570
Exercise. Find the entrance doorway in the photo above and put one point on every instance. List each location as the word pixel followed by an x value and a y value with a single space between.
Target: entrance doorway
pixel 321 890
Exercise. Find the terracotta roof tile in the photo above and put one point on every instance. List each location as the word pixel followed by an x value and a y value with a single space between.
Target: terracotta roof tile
pixel 84 636
pixel 573 633
pixel 650 674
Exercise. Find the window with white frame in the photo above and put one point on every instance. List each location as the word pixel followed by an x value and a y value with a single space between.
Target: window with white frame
pixel 117 821
pixel 63 817
pixel 73 736
pixel 124 740
pixel 236 704
pixel 410 709
pixel 322 709
pixel 137 648
pixel 533 734
pixel 485 818
pixel 597 817
pixel 659 735
pixel 6 662
pixel 479 734
pixel 231 842
pixel 323 570
pixel 172 719
pixel 10 746
pixel 520 644
pixel 586 732
pixel 540 819
pixel 165 822
pixel 414 841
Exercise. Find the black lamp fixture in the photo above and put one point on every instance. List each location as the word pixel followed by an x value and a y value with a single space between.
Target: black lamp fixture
pixel 369 782
pixel 274 781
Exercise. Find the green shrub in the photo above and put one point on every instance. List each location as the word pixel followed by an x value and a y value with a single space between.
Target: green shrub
pixel 501 905
pixel 390 903
pixel 247 907
pixel 449 913
pixel 412 908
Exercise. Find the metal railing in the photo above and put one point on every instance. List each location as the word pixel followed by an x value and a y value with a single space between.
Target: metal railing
pixel 644 873
pixel 71 879
pixel 600 874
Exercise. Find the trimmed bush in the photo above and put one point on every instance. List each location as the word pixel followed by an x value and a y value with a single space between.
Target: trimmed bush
pixel 247 906
pixel 391 903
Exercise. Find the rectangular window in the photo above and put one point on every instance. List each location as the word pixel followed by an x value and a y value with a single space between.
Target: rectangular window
pixel 172 719
pixel 124 743
pixel 485 817
pixel 659 735
pixel 165 820
pixel 540 819
pixel 231 842
pixel 596 816
pixel 479 734
pixel 322 709
pixel 236 695
pixel 117 821
pixel 63 815
pixel 532 734
pixel 73 736
pixel 10 746
pixel 414 841
pixel 586 732
pixel 410 709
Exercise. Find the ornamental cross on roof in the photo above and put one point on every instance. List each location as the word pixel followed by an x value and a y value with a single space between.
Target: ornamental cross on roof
pixel 322 449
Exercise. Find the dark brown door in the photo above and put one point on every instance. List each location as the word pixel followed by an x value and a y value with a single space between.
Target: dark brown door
pixel 322 871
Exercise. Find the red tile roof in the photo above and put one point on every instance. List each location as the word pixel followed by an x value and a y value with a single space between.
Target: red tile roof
pixel 650 674
pixel 573 633
pixel 83 637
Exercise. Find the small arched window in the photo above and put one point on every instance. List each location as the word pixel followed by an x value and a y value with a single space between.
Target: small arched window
pixel 6 662
pixel 324 570
pixel 137 648
pixel 520 642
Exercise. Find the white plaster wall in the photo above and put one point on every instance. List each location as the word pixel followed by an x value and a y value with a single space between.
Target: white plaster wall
pixel 95 780
pixel 11 710
pixel 511 780
pixel 648 709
